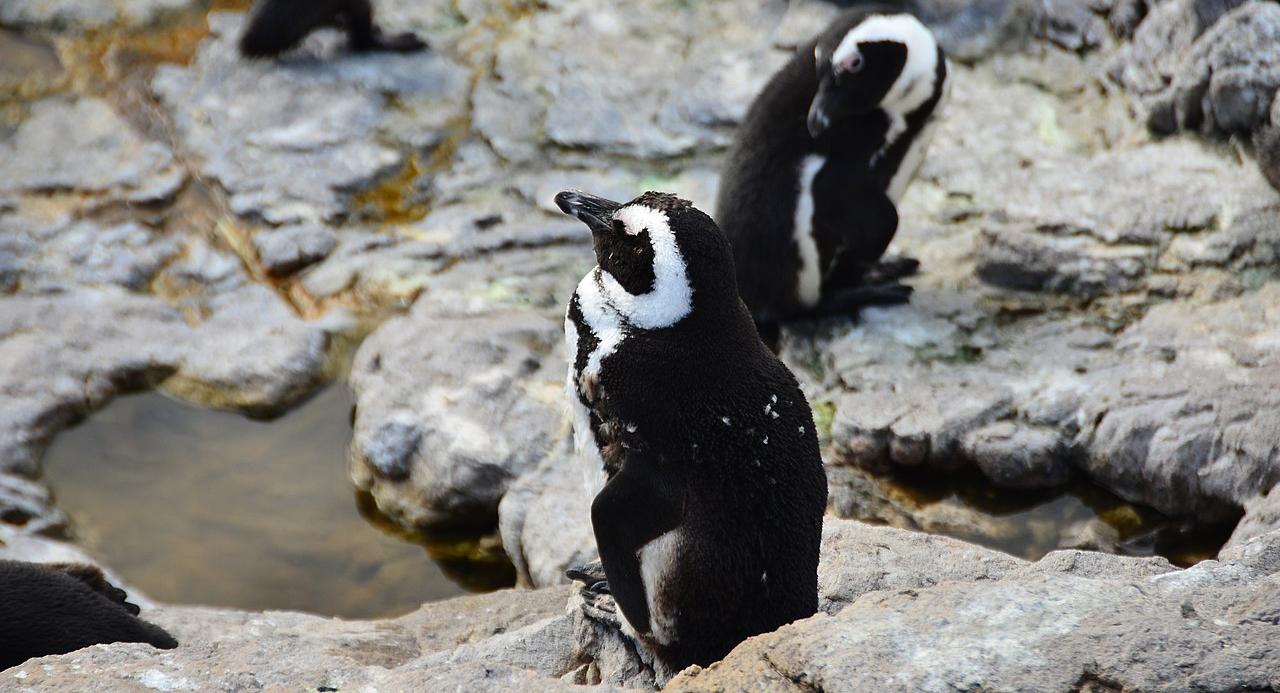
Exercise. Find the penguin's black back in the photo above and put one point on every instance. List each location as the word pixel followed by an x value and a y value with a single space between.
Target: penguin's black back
pixel 760 182
pixel 754 490
pixel 47 610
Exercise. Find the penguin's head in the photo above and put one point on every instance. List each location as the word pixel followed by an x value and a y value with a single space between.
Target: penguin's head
pixel 655 254
pixel 886 61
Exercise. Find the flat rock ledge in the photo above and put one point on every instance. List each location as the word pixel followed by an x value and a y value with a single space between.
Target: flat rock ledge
pixel 900 611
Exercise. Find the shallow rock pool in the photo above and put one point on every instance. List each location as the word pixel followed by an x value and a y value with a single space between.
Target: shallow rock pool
pixel 196 506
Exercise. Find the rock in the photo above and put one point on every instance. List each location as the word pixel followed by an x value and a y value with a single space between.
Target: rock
pixel 1147 65
pixel 126 341
pixel 480 393
pixel 284 649
pixel 80 15
pixel 1261 516
pixel 81 145
pixel 288 249
pixel 62 254
pixel 291 140
pixel 545 520
pixel 1226 84
pixel 29 506
pixel 1013 455
pixel 1206 627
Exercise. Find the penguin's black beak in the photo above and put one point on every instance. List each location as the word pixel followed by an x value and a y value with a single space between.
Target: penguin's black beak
pixel 595 212
pixel 819 115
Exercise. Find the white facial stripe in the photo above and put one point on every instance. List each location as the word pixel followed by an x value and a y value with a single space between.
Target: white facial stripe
pixel 672 297
pixel 809 279
pixel 915 83
pixel 601 318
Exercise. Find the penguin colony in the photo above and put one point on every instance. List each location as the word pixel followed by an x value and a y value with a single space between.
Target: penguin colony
pixel 62 607
pixel 809 192
pixel 710 516
pixel 697 440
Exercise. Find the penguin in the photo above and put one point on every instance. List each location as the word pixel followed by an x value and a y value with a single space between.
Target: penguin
pixel 48 609
pixel 809 191
pixel 278 25
pixel 708 518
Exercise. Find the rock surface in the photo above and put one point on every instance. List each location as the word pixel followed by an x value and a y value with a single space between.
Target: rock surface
pixel 901 611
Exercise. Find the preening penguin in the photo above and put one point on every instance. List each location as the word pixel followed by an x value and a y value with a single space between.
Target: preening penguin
pixel 278 25
pixel 808 194
pixel 60 608
pixel 710 516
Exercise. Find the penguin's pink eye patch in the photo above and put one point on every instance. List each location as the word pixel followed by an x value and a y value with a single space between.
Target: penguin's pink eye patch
pixel 848 64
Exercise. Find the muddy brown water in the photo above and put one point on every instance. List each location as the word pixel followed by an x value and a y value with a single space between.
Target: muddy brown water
pixel 195 506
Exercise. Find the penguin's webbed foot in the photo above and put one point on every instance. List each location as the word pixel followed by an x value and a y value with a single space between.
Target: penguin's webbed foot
pixel 891 269
pixel 407 42
pixel 591 575
pixel 850 301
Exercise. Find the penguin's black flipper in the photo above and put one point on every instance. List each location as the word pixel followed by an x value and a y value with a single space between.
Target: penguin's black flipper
pixel 634 508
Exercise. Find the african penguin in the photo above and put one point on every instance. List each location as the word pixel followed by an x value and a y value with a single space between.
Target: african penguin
pixel 278 25
pixel 709 519
pixel 57 608
pixel 808 193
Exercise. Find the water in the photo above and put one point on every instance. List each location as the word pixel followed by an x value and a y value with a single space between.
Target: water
pixel 1024 523
pixel 196 506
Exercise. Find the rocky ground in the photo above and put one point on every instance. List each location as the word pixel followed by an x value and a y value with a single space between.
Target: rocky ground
pixel 1098 300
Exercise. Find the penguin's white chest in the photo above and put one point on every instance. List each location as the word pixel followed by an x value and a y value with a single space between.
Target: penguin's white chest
pixel 809 278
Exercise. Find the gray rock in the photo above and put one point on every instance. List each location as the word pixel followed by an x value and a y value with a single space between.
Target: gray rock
pixel 28 505
pixel 1227 81
pixel 288 249
pixel 124 341
pixel 291 140
pixel 56 256
pixel 1013 455
pixel 82 15
pixel 82 145
pixel 1261 516
pixel 1147 65
pixel 482 394
pixel 1204 628
pixel 545 520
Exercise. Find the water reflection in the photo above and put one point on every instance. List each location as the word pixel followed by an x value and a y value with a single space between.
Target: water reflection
pixel 208 507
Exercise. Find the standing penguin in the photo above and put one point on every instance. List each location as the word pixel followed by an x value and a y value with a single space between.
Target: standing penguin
pixel 809 191
pixel 710 517
pixel 59 608
pixel 278 25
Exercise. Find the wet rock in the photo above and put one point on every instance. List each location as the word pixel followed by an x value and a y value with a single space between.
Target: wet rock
pixel 1013 455
pixel 288 249
pixel 79 15
pixel 80 145
pixel 481 392
pixel 291 140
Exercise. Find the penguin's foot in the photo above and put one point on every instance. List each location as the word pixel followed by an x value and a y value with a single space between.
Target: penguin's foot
pixel 398 43
pixel 850 301
pixel 891 269
pixel 92 576
pixel 591 575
